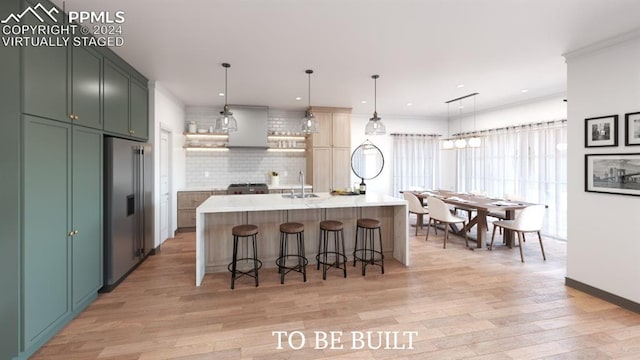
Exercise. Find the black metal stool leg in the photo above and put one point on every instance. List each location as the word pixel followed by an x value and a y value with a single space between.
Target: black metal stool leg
pixel 234 263
pixel 381 251
pixel 343 254
pixel 355 246
pixel 325 264
pixel 319 247
pixel 255 259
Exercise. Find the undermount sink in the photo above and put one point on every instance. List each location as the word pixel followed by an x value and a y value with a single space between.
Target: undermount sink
pixel 299 196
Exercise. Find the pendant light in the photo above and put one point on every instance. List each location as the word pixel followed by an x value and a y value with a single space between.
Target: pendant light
pixel 460 143
pixel 448 143
pixel 309 122
pixel 375 125
pixel 474 141
pixel 226 122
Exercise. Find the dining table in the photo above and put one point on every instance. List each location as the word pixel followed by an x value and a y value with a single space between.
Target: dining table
pixel 483 206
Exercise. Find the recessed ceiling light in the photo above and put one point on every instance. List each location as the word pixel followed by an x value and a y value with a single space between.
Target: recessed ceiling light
pixel 298 98
pixel 363 101
pixel 524 91
pixel 221 94
pixel 460 86
pixel 409 104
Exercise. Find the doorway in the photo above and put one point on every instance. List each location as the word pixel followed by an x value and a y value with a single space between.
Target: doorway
pixel 165 185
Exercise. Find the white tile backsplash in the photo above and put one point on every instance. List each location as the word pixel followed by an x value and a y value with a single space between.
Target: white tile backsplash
pixel 219 169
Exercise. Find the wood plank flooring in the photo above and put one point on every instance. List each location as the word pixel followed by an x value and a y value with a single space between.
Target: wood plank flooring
pixel 463 305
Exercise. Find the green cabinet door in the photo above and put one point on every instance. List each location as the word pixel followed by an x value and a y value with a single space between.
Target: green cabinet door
pixel 139 111
pixel 45 80
pixel 85 87
pixel 86 244
pixel 46 192
pixel 115 99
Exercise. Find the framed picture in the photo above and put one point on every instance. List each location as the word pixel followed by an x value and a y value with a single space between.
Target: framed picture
pixel 601 131
pixel 632 128
pixel 612 173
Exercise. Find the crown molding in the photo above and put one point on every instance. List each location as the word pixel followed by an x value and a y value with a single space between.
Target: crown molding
pixel 603 44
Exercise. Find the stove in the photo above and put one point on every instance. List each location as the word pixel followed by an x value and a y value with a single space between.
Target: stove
pixel 247 188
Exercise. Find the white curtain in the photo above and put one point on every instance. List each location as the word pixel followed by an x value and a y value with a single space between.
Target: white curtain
pixel 416 162
pixel 529 162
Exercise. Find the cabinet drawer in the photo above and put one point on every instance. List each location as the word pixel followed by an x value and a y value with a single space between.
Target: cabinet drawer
pixel 192 199
pixel 186 218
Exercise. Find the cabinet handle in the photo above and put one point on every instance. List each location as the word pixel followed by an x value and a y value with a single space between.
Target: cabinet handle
pixel 71 233
pixel 132 132
pixel 71 116
pixel 75 232
pixel 76 117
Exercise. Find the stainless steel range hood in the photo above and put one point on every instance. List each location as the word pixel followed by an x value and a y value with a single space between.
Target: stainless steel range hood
pixel 252 127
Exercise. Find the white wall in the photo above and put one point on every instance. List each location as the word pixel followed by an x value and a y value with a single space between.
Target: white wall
pixel 384 182
pixel 604 246
pixel 166 112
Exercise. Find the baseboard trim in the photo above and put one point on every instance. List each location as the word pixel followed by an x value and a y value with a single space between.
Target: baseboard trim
pixel 109 287
pixel 155 250
pixel 604 295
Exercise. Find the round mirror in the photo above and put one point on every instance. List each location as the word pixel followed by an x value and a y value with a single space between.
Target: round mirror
pixel 367 161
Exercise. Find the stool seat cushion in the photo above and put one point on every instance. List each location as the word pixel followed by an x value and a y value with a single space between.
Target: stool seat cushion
pixel 291 228
pixel 331 225
pixel 244 230
pixel 369 223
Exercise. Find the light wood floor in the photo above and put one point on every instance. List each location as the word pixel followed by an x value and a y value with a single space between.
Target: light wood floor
pixel 463 304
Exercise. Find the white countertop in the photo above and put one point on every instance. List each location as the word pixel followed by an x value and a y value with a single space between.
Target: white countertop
pixel 221 188
pixel 266 202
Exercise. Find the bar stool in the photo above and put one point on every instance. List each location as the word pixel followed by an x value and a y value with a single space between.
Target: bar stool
pixel 335 227
pixel 367 250
pixel 297 229
pixel 246 232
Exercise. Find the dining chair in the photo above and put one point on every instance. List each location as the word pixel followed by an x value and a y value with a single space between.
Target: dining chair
pixel 501 214
pixel 529 220
pixel 415 207
pixel 439 211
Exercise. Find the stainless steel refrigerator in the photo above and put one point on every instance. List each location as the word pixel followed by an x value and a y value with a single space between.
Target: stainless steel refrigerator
pixel 128 186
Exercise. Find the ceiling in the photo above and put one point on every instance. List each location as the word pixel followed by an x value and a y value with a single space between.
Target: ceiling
pixel 422 50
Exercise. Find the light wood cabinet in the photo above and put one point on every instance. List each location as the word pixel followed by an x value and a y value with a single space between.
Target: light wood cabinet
pixel 329 156
pixel 341 169
pixel 188 201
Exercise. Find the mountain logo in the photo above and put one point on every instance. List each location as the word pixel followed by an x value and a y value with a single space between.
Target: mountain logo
pixel 33 11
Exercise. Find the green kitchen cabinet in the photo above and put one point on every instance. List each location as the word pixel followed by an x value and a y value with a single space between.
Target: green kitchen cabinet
pixel 125 103
pixel 45 79
pixel 116 99
pixel 139 110
pixel 47 227
pixel 86 215
pixel 63 83
pixel 62 231
pixel 86 71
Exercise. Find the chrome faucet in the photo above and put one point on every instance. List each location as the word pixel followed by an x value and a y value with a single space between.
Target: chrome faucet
pixel 301 179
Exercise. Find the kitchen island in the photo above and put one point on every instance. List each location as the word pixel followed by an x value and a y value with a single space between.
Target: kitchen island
pixel 216 216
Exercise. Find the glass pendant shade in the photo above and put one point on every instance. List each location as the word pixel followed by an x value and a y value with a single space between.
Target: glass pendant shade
pixel 447 144
pixel 309 124
pixel 226 122
pixel 461 143
pixel 375 126
pixel 475 142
